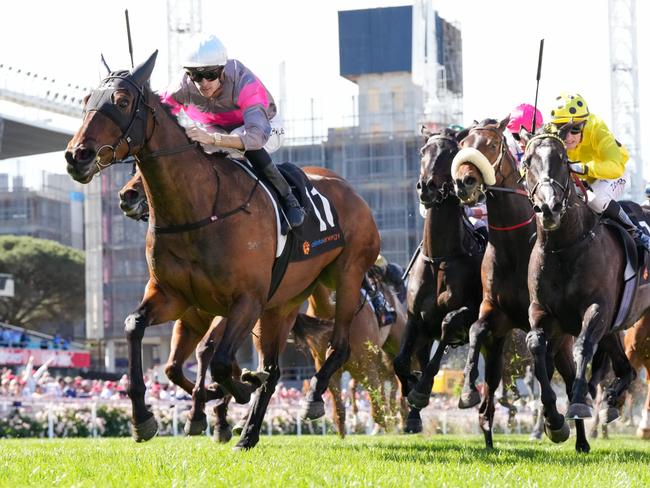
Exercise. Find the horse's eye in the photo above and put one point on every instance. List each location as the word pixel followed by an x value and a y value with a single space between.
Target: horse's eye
pixel 123 103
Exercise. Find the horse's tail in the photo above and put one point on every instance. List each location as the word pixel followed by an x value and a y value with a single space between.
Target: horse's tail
pixel 306 326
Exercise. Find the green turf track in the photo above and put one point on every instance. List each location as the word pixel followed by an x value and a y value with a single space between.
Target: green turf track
pixel 323 461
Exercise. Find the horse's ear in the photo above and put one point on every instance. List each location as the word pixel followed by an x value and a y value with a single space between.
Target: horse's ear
pixel 105 64
pixel 565 129
pixel 142 73
pixel 462 134
pixel 504 123
pixel 426 132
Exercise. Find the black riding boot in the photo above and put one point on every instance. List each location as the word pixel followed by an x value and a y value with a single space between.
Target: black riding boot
pixel 615 212
pixel 263 164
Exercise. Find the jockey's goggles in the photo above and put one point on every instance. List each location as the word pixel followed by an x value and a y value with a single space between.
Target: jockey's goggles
pixel 210 75
pixel 576 129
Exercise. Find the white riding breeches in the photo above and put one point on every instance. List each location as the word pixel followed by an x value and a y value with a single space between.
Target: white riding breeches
pixel 604 191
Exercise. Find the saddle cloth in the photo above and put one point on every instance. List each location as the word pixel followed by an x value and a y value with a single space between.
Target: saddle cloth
pixel 320 231
pixel 637 261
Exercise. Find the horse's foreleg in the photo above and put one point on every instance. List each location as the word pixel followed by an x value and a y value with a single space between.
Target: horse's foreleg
pixel 554 425
pixel 274 330
pixel 563 361
pixel 183 342
pixel 478 332
pixel 347 299
pixel 402 362
pixel 196 421
pixel 452 327
pixel 156 307
pixel 243 315
pixel 593 327
pixel 338 412
pixel 493 374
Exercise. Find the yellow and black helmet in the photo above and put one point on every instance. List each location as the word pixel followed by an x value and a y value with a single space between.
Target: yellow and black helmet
pixel 569 107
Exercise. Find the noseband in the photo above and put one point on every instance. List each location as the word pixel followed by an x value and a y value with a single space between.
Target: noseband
pixel 446 189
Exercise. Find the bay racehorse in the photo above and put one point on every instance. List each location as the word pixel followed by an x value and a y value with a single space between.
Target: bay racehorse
pixel 372 349
pixel 637 349
pixel 485 169
pixel 444 287
pixel 372 346
pixel 575 279
pixel 213 246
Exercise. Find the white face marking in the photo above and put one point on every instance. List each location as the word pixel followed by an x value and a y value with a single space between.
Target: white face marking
pixel 253 245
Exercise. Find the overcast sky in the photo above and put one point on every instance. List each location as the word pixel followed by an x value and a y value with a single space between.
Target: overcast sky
pixel 500 46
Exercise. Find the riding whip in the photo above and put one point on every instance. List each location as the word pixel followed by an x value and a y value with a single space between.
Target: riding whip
pixel 539 75
pixel 128 33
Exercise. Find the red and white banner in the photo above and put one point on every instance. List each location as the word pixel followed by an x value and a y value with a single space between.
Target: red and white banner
pixel 61 359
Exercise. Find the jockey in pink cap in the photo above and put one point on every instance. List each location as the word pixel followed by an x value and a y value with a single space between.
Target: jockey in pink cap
pixel 522 116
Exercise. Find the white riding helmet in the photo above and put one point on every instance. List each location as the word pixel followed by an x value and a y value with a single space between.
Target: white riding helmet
pixel 206 51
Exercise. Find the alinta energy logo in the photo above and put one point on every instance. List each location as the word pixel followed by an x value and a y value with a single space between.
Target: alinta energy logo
pixel 305 248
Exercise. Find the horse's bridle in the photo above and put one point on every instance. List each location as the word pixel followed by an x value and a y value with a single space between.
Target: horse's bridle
pixel 133 125
pixel 446 189
pixel 547 180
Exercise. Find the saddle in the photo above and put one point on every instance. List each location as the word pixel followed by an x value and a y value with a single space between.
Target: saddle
pixel 637 260
pixel 320 231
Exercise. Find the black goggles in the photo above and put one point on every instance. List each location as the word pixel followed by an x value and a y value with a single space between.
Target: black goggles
pixel 198 76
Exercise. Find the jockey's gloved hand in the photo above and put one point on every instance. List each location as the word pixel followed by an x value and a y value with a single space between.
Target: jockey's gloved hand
pixel 578 168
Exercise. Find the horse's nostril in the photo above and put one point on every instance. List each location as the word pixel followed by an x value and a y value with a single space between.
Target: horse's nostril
pixel 537 209
pixel 129 196
pixel 81 155
pixel 418 186
pixel 557 207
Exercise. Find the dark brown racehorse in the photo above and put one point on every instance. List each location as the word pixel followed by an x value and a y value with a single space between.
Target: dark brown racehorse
pixel 575 279
pixel 444 289
pixel 213 246
pixel 373 348
pixel 484 168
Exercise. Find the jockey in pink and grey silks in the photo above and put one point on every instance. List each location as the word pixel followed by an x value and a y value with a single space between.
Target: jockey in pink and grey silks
pixel 242 101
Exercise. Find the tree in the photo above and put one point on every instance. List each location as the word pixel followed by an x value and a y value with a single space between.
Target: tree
pixel 49 282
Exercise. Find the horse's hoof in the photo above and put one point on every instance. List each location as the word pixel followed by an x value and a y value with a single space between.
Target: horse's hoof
pixel 583 448
pixel 559 435
pixel 418 400
pixel 195 427
pixel 609 414
pixel 222 435
pixel 238 428
pixel 313 410
pixel 255 378
pixel 413 426
pixel 145 430
pixel 469 400
pixel 578 411
pixel 245 444
pixel 643 433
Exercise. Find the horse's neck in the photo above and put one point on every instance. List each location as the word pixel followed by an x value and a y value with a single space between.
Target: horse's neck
pixel 444 230
pixel 172 181
pixel 578 220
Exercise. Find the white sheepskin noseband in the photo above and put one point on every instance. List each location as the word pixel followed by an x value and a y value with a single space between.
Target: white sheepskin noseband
pixel 475 157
